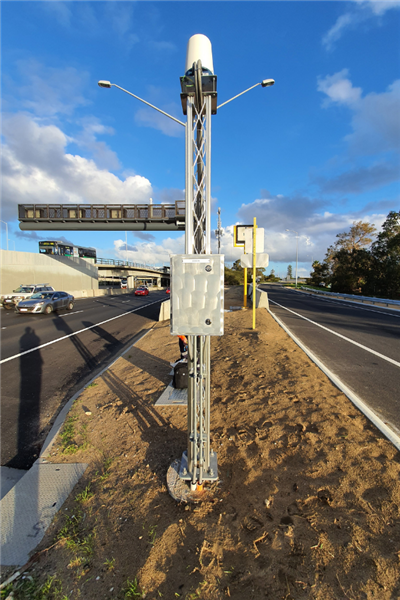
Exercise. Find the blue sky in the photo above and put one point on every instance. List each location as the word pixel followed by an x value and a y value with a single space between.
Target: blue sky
pixel 312 154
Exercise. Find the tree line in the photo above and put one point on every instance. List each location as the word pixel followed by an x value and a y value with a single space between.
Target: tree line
pixel 357 264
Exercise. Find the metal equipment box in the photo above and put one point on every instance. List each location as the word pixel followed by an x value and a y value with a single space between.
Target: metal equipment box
pixel 197 294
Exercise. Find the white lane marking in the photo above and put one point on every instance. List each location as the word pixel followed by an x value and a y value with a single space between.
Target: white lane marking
pixel 393 436
pixel 351 303
pixel 64 337
pixel 394 362
pixel 72 313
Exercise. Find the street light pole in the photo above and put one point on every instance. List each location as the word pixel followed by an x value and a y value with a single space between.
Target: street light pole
pixel 6 231
pixel 297 249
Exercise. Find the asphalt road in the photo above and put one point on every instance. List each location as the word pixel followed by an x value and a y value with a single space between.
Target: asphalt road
pixel 46 359
pixel 367 361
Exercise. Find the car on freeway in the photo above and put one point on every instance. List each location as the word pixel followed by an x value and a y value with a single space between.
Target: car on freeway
pixel 46 302
pixel 23 292
pixel 142 291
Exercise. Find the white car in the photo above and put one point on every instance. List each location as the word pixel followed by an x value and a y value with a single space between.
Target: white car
pixel 23 292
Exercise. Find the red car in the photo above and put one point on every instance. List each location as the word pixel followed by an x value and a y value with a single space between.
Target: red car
pixel 142 291
pixel 167 291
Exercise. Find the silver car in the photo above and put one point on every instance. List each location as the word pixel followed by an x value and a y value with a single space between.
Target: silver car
pixel 46 302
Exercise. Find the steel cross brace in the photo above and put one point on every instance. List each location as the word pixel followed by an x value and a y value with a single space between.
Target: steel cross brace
pixel 199 463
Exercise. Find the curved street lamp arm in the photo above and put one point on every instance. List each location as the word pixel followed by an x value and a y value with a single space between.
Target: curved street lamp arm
pixel 264 83
pixel 148 104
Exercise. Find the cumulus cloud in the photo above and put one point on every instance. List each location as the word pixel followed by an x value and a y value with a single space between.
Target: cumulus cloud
pixel 338 88
pixel 37 169
pixel 375 116
pixel 104 157
pixel 150 252
pixel 362 10
pixel 314 223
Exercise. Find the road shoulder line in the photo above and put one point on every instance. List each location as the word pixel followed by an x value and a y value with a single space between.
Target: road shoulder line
pixel 392 436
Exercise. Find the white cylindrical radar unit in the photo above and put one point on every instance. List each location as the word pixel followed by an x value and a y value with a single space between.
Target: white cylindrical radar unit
pixel 199 47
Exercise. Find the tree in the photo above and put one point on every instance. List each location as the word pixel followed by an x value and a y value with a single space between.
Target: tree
pixel 352 270
pixel 320 273
pixel 237 266
pixel 384 279
pixel 342 260
pixel 290 272
pixel 358 237
pixel 232 277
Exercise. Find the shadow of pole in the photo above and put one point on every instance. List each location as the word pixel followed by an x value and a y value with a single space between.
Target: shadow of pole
pixel 28 428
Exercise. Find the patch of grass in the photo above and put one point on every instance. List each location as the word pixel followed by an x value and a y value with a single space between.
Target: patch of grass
pixel 91 385
pixel 68 444
pixel 132 589
pixel 152 534
pixel 106 470
pixel 85 495
pixel 31 589
pixel 109 564
pixel 75 538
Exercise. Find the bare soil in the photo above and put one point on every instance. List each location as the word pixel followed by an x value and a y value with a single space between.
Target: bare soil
pixel 307 505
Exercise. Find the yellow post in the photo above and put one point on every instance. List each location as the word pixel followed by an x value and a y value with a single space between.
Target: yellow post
pixel 245 289
pixel 254 272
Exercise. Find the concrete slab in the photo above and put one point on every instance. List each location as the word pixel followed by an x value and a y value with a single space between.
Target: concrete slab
pixel 9 477
pixel 29 507
pixel 172 397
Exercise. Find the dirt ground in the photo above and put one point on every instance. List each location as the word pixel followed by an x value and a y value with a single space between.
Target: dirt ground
pixel 307 505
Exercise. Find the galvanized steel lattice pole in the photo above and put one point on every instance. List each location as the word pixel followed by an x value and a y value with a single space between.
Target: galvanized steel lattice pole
pixel 200 463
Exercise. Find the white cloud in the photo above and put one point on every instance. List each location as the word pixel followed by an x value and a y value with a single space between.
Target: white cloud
pixel 376 122
pixel 375 119
pixel 338 88
pixel 362 10
pixel 37 169
pixel 336 32
pixel 378 7
pixel 104 157
pixel 152 252
pixel 316 225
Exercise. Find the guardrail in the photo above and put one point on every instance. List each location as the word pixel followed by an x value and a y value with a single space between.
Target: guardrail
pixel 361 299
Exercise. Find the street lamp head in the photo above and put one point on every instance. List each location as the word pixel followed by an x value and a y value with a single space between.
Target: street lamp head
pixel 267 82
pixel 104 84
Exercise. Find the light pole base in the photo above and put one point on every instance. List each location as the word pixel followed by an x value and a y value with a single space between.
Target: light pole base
pixel 180 489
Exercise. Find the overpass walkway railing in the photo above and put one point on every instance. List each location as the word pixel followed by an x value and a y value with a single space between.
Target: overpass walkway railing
pixel 103 216
pixel 124 263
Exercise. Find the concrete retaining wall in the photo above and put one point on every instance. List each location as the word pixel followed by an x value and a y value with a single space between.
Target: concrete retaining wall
pixel 66 274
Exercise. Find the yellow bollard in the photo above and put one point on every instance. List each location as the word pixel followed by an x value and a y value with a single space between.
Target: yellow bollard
pixel 245 289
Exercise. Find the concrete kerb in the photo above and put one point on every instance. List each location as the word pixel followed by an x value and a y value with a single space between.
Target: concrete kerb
pixel 391 434
pixel 30 505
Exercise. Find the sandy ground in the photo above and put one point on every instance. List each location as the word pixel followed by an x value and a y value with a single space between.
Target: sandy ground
pixel 307 505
